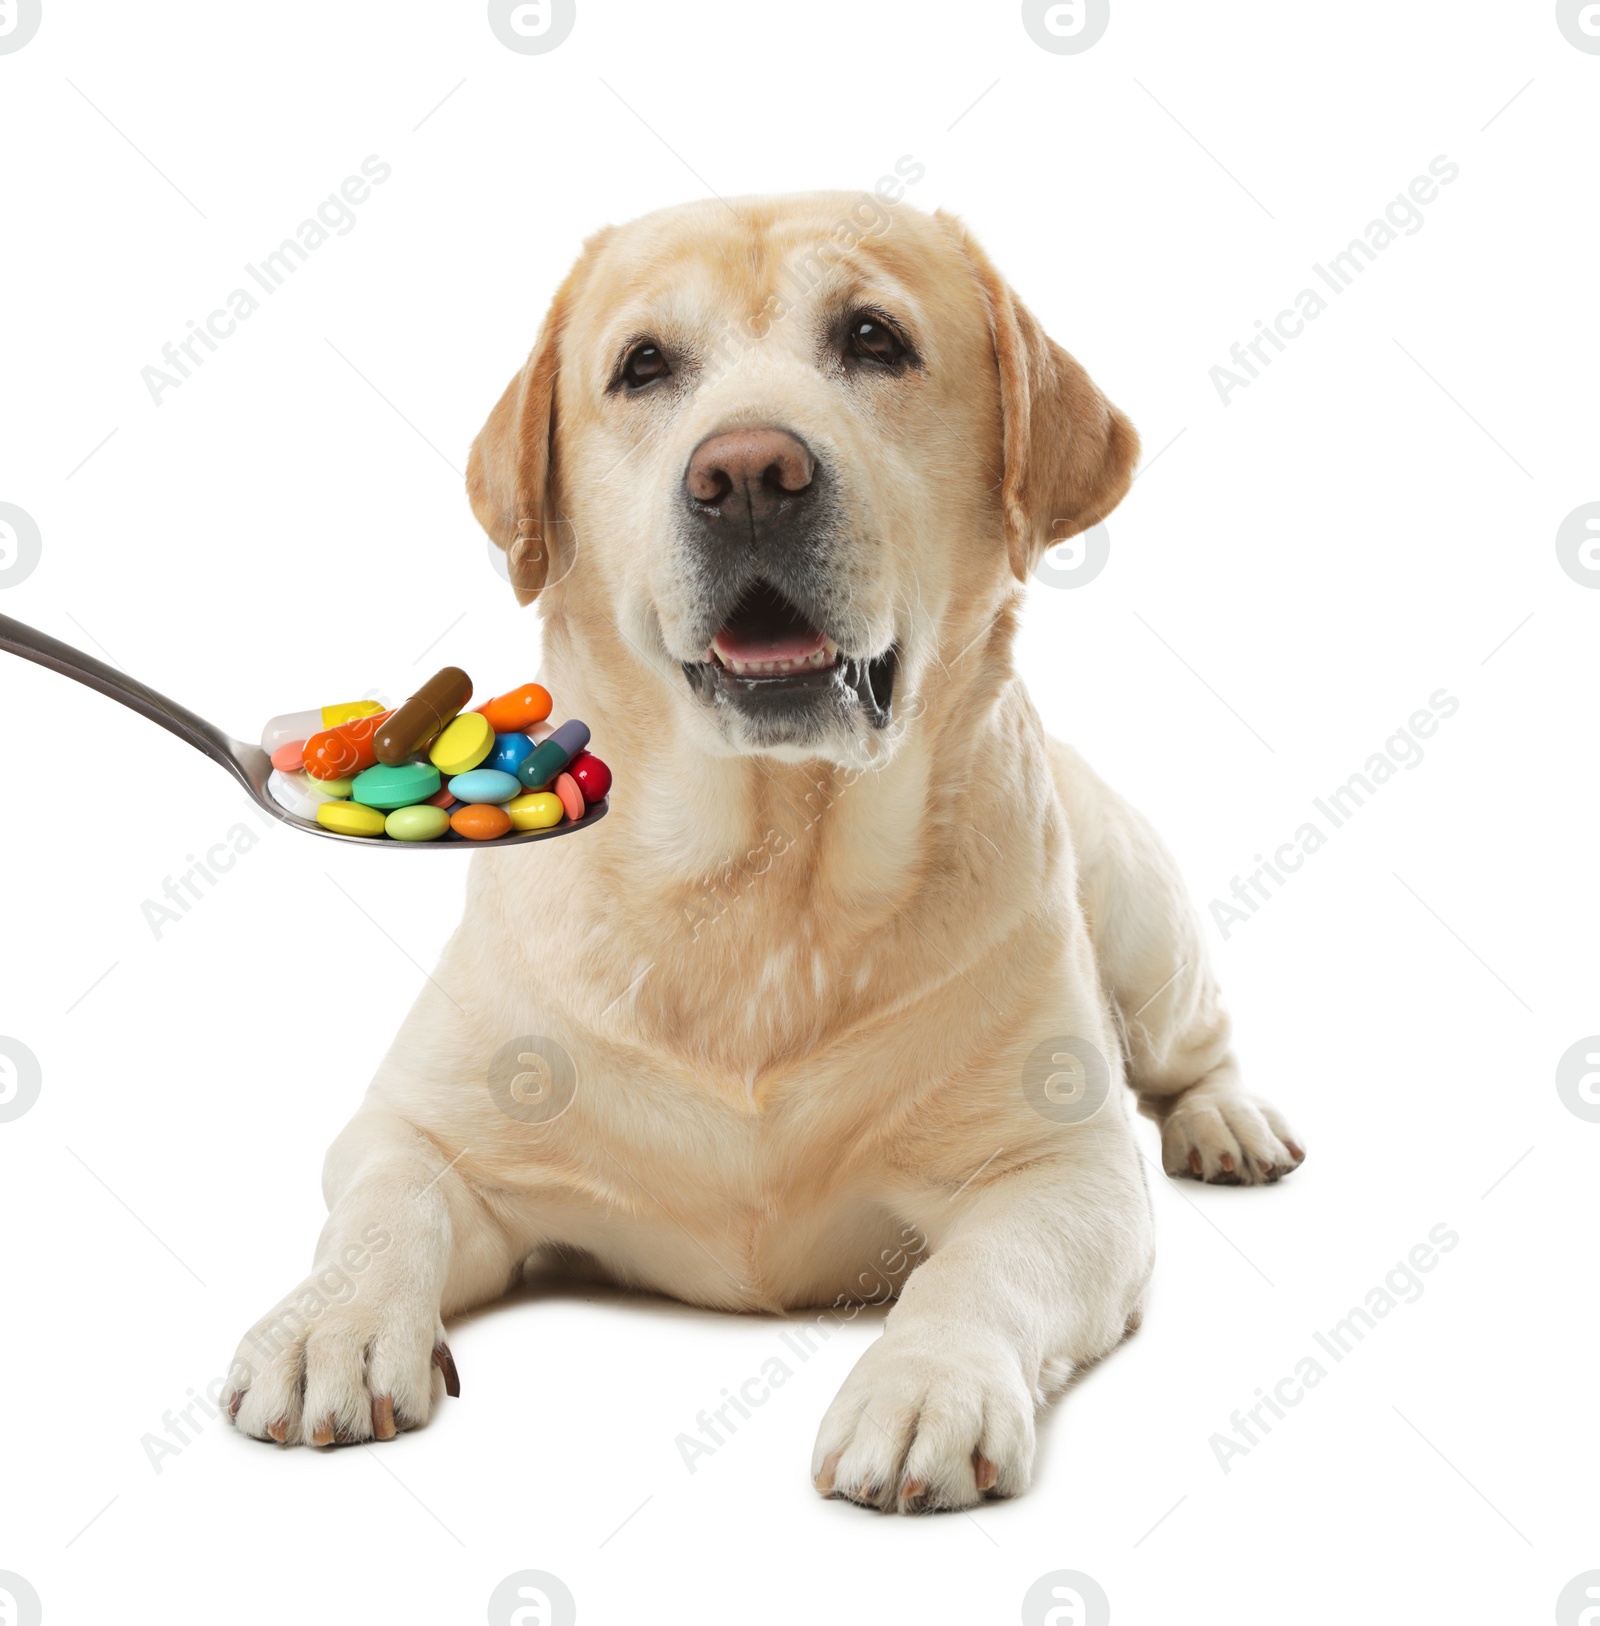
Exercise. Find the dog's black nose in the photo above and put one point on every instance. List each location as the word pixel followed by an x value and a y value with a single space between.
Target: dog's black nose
pixel 749 478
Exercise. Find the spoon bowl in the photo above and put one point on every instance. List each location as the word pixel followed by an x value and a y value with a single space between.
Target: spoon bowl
pixel 249 764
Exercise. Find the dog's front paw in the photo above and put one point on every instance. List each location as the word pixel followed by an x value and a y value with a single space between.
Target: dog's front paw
pixel 927 1422
pixel 1227 1138
pixel 321 1369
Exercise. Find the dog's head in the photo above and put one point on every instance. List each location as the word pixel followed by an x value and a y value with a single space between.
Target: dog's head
pixel 799 451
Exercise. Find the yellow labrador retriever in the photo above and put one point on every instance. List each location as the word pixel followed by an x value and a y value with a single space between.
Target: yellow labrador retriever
pixel 860 955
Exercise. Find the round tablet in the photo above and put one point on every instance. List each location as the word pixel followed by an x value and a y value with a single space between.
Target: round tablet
pixel 396 787
pixel 350 819
pixel 463 745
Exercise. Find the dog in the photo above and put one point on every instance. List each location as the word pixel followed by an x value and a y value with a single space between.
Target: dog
pixel 859 955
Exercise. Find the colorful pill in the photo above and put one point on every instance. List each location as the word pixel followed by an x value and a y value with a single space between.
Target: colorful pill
pixel 350 819
pixel 386 787
pixel 342 752
pixel 517 710
pixel 545 761
pixel 570 797
pixel 485 785
pixel 535 810
pixel 463 745
pixel 423 717
pixel 442 798
pixel 423 822
pixel 298 793
pixel 290 758
pixel 593 776
pixel 301 725
pixel 479 822
pixel 508 752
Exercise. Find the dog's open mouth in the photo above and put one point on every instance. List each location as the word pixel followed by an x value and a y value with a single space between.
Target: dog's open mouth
pixel 769 656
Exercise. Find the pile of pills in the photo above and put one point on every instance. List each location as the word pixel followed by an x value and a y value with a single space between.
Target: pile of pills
pixel 431 768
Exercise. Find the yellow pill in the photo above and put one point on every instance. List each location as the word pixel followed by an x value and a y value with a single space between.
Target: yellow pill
pixel 537 810
pixel 350 818
pixel 347 712
pixel 463 745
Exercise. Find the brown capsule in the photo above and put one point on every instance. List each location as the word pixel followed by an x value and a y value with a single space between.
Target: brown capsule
pixel 421 718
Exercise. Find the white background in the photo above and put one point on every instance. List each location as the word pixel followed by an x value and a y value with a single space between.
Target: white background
pixel 1292 576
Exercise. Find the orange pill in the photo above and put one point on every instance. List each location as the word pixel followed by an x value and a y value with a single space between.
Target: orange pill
pixel 518 710
pixel 290 758
pixel 566 787
pixel 478 821
pixel 340 753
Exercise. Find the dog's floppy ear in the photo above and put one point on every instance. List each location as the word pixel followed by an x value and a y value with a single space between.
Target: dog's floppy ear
pixel 1068 453
pixel 511 470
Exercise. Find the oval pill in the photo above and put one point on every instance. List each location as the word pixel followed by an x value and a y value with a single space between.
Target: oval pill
pixel 386 787
pixel 463 745
pixel 348 711
pixel 572 737
pixel 517 709
pixel 479 822
pixel 424 716
pixel 535 810
pixel 298 793
pixel 508 752
pixel 301 725
pixel 350 818
pixel 422 822
pixel 593 776
pixel 570 797
pixel 485 785
pixel 339 753
pixel 290 758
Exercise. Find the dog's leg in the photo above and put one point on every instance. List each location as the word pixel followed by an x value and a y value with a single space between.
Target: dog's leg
pixel 1153 962
pixel 350 1353
pixel 1030 1278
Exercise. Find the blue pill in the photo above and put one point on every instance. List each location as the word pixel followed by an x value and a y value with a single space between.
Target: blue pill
pixel 485 785
pixel 508 752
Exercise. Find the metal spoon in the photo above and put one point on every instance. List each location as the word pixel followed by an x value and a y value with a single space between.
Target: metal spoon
pixel 249 764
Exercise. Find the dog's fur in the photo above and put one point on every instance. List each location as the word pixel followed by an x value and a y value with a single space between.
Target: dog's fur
pixel 804 987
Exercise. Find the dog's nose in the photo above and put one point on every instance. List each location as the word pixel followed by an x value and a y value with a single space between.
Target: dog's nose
pixel 749 476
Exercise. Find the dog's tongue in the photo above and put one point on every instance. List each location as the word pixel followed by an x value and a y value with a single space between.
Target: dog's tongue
pixel 791 644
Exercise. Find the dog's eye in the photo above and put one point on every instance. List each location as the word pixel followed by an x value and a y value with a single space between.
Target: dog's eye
pixel 873 340
pixel 644 364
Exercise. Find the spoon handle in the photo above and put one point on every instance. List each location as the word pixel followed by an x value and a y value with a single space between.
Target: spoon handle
pixel 18 638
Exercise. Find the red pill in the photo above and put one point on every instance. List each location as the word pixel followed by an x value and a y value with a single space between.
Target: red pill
pixel 441 798
pixel 593 776
pixel 290 758
pixel 519 710
pixel 478 821
pixel 339 753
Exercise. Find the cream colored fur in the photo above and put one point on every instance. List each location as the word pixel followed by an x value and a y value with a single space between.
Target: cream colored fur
pixel 799 990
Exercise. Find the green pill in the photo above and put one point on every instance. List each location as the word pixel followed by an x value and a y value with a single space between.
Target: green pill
pixel 422 822
pixel 396 787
